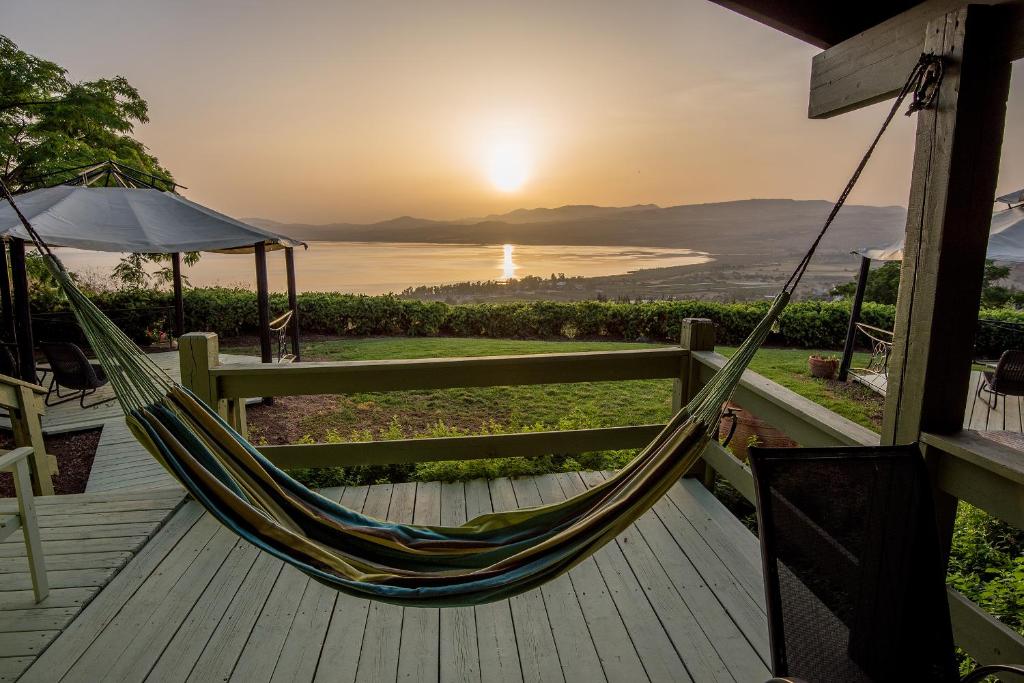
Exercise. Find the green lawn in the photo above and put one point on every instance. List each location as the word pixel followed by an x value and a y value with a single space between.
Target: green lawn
pixel 788 367
pixel 504 409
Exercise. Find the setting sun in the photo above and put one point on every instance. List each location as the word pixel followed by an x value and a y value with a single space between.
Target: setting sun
pixel 508 165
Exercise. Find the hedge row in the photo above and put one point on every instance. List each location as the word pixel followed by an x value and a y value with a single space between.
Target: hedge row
pixel 232 313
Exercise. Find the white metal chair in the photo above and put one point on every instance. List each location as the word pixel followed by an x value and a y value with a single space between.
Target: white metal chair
pixel 23 516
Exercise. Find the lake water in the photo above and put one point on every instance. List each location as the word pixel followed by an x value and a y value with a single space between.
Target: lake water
pixel 381 267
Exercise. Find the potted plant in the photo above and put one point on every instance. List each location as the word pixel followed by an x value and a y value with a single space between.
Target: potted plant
pixel 824 367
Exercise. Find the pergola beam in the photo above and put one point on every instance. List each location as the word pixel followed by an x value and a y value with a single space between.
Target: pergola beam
pixel 872 66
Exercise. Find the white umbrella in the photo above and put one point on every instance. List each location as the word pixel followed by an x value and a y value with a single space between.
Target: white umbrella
pixel 131 219
pixel 1005 241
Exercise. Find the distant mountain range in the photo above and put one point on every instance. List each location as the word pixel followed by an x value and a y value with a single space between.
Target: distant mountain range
pixel 774 227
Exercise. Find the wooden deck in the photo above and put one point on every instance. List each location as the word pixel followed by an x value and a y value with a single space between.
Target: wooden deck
pixel 1007 415
pixel 87 539
pixel 677 597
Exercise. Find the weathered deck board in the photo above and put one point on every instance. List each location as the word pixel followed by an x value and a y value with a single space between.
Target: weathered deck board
pixel 659 604
pixel 77 566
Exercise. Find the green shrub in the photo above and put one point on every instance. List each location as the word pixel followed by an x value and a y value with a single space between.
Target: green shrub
pixel 987 564
pixel 232 313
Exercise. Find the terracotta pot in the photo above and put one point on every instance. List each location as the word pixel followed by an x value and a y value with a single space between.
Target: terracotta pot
pixel 750 427
pixel 825 368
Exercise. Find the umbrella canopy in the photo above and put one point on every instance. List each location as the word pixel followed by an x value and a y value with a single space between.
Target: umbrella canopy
pixel 132 219
pixel 1005 240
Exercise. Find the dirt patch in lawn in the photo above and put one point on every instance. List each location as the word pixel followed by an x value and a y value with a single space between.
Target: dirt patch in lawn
pixel 75 452
pixel 873 402
pixel 322 418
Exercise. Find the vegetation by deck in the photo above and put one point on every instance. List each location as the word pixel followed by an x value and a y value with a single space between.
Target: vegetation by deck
pixel 677 597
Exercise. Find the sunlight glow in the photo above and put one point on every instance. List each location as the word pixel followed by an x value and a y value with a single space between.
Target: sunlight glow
pixel 508 267
pixel 508 165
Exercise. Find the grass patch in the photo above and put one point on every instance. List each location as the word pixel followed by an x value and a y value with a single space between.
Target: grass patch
pixel 494 410
pixel 788 367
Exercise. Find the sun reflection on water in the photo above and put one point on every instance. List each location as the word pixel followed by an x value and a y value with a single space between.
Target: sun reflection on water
pixel 508 267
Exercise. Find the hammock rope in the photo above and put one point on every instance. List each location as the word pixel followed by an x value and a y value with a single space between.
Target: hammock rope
pixel 491 557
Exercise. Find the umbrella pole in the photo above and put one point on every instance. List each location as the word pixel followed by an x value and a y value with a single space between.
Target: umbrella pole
pixel 179 303
pixel 293 301
pixel 23 313
pixel 851 330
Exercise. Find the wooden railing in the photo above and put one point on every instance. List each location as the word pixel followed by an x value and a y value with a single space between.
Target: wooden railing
pixel 970 468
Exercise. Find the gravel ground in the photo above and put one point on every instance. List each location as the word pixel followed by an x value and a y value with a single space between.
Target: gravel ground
pixel 75 452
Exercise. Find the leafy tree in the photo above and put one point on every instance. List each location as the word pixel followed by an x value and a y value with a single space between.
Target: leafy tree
pixel 48 122
pixel 132 274
pixel 884 284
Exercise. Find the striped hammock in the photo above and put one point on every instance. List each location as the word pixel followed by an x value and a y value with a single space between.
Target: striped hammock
pixel 489 558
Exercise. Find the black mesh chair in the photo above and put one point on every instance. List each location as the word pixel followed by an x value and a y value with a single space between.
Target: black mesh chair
pixel 853 571
pixel 1006 380
pixel 72 370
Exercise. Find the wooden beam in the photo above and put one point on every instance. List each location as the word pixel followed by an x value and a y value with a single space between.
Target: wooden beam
pixel 240 380
pixel 819 23
pixel 293 300
pixel 956 161
pixel 179 303
pixel 198 354
pixel 872 66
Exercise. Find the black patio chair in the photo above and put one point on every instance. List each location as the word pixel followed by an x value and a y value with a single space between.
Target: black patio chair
pixel 72 370
pixel 853 571
pixel 1006 380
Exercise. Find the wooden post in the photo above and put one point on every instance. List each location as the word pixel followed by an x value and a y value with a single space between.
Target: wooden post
pixel 23 313
pixel 263 309
pixel 179 302
pixel 851 330
pixel 696 334
pixel 7 314
pixel 956 161
pixel 263 303
pixel 293 300
pixel 198 353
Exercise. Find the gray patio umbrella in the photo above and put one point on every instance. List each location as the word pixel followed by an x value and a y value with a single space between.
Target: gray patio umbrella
pixel 137 220
pixel 131 219
pixel 1005 239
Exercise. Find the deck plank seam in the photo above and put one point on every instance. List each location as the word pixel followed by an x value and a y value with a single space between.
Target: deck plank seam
pixel 657 613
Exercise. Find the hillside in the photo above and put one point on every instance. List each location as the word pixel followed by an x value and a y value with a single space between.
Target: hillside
pixel 773 227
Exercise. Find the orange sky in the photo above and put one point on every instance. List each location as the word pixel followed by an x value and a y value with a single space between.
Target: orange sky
pixel 321 111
